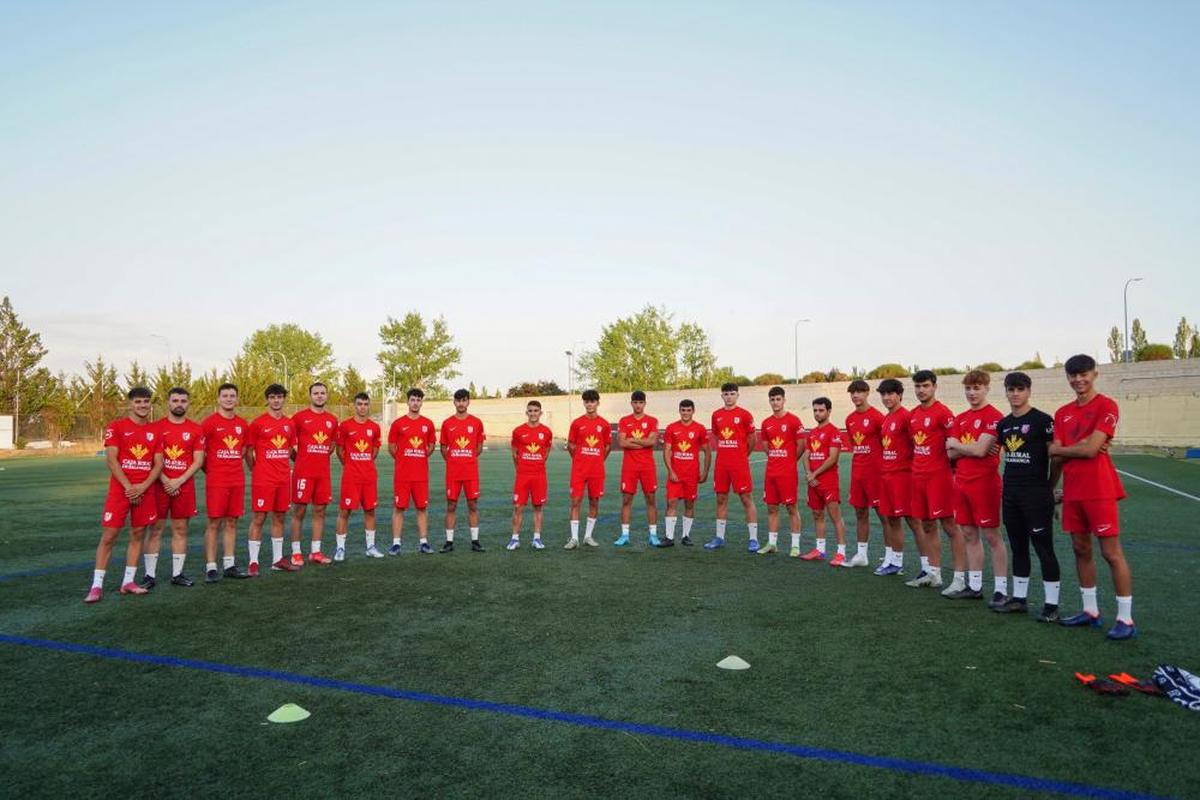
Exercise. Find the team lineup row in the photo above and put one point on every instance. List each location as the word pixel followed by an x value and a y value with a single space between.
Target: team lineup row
pixel 924 467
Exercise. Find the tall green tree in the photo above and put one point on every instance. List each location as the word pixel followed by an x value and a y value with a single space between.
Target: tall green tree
pixel 97 394
pixel 418 355
pixel 697 363
pixel 177 373
pixel 647 351
pixel 24 386
pixel 1184 334
pixel 1137 338
pixel 1116 344
pixel 349 383
pixel 889 370
pixel 304 355
pixel 135 376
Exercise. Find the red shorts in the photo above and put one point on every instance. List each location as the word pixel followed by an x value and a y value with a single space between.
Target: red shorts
pixel 732 477
pixel 977 502
pixel 117 506
pixel 181 506
pixel 418 491
pixel 932 496
pixel 865 487
pixel 593 482
pixel 467 486
pixel 317 490
pixel 780 489
pixel 632 475
pixel 224 501
pixel 827 491
pixel 269 498
pixel 1091 516
pixel 530 489
pixel 895 493
pixel 686 489
pixel 356 495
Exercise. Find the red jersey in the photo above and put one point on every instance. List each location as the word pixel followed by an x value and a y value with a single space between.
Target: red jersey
pixel 591 437
pixel 783 436
pixel 969 426
pixel 462 437
pixel 224 441
pixel 928 428
pixel 532 446
pixel 136 445
pixel 820 440
pixel 272 440
pixel 732 428
pixel 633 428
pixel 180 441
pixel 865 431
pixel 684 443
pixel 315 435
pixel 360 442
pixel 412 438
pixel 1088 478
pixel 895 446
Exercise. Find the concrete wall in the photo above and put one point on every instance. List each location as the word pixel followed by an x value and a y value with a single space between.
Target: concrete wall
pixel 1160 402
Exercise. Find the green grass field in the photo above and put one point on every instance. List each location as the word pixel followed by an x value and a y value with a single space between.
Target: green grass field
pixel 841 661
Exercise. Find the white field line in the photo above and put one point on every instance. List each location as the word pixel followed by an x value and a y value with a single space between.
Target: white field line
pixel 1159 485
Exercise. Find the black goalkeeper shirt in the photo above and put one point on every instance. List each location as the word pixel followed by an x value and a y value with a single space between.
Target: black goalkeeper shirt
pixel 1025 443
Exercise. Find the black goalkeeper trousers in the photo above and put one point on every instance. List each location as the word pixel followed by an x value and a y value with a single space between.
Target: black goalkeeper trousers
pixel 1029 519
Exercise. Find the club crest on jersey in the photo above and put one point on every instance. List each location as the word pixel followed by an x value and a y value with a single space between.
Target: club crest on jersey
pixel 470 429
pixel 329 424
pixel 927 421
pixel 237 429
pixel 978 423
pixel 541 437
pixel 424 429
pixel 150 436
pixel 186 436
pixel 645 424
pixel 1024 429
pixel 107 516
pixel 866 423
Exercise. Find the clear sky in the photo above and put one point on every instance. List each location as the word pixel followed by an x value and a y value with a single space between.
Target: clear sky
pixel 933 183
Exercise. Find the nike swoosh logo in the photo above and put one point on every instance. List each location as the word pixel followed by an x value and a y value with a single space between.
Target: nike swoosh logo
pixel 1038 530
pixel 937 511
pixel 1103 528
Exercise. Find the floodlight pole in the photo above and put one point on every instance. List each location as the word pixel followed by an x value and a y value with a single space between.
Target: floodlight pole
pixel 1127 350
pixel 796 347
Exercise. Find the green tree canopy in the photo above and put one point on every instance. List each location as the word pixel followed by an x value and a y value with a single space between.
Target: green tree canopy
pixel 1184 333
pixel 889 370
pixel 308 356
pixel 768 379
pixel 1155 352
pixel 418 355
pixel 647 351
pixel 1137 338
pixel 1116 344
pixel 21 352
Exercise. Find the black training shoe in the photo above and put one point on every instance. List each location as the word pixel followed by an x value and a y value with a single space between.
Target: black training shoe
pixel 448 547
pixel 966 594
pixel 148 582
pixel 998 600
pixel 1049 613
pixel 234 572
pixel 666 543
pixel 476 547
pixel 686 541
pixel 212 576
pixel 182 580
pixel 1013 605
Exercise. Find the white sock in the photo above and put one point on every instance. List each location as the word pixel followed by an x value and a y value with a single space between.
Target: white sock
pixel 177 560
pixel 316 546
pixel 98 578
pixel 625 531
pixel 1089 600
pixel 537 534
pixel 395 540
pixel 276 549
pixel 424 539
pixel 474 534
pixel 888 555
pixel 210 566
pixel 842 550
pixel 898 558
pixel 795 540
pixel 862 550
pixel 574 529
pixel 341 540
pixel 151 563
pixel 130 572
pixel 295 549
pixel 253 547
pixel 720 529
pixel 1002 585
pixel 227 561
pixel 1051 588
pixel 752 528
pixel 654 530
pixel 821 545
pixel 772 538
pixel 925 563
pixel 961 577
pixel 974 579
pixel 669 528
pixel 450 535
pixel 370 539
pixel 591 526
pixel 1125 609
pixel 687 526
pixel 1020 587
pixel 937 572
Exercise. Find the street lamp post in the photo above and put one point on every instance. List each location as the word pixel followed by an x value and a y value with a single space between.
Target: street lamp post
pixel 796 347
pixel 1126 350
pixel 570 385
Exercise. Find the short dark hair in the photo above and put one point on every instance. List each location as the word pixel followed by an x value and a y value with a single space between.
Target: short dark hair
pixel 638 395
pixel 1017 380
pixel 729 386
pixel 174 390
pixel 227 385
pixel 891 386
pixel 686 404
pixel 591 396
pixel 776 391
pixel 1079 364
pixel 275 389
pixel 363 396
pixel 315 384
pixel 534 404
pixel 823 401
pixel 414 392
pixel 462 394
pixel 858 385
pixel 140 393
pixel 925 376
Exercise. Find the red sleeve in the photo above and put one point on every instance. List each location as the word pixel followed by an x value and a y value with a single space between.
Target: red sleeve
pixel 653 425
pixel 443 436
pixel 993 423
pixel 836 439
pixel 251 435
pixel 482 435
pixel 394 432
pixel 1058 426
pixel 1108 418
pixel 110 435
pixel 513 441
pixel 749 426
pixel 949 422
pixel 201 441
pixel 571 436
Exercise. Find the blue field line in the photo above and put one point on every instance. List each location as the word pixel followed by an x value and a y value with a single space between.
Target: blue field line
pixel 901 765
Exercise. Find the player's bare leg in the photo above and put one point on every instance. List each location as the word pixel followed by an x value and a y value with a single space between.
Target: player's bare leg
pixel 751 519
pixel 573 542
pixel 451 520
pixel 299 512
pixel 423 525
pixel 593 515
pixel 179 537
pixel 277 520
pixel 999 551
pixel 254 538
pixel 538 518
pixel 473 522
pixel 517 516
pixel 397 525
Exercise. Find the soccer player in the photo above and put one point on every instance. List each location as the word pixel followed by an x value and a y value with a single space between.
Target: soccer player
pixel 637 434
pixel 682 442
pixel 316 430
pixel 531 445
pixel 1091 489
pixel 819 459
pixel 588 443
pixel 462 440
pixel 182 443
pixel 972 447
pixel 358 441
pixel 411 441
pixel 784 434
pixel 733 429
pixel 270 443
pixel 864 427
pixel 932 487
pixel 225 481
pixel 133 455
pixel 1028 497
pixel 895 482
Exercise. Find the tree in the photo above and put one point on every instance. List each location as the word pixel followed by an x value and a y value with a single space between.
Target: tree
pixel 696 360
pixel 471 389
pixel 990 366
pixel 946 370
pixel 1116 344
pixel 252 375
pixel 889 370
pixel 835 375
pixel 1137 338
pixel 167 378
pixel 549 389
pixel 816 376
pixel 1194 348
pixel 97 394
pixel 59 411
pixel 309 357
pixel 768 379
pixel 637 352
pixel 136 376
pixel 482 393
pixel 526 389
pixel 23 386
pixel 349 383
pixel 1033 363
pixel 416 355
pixel 1184 333
pixel 1155 352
